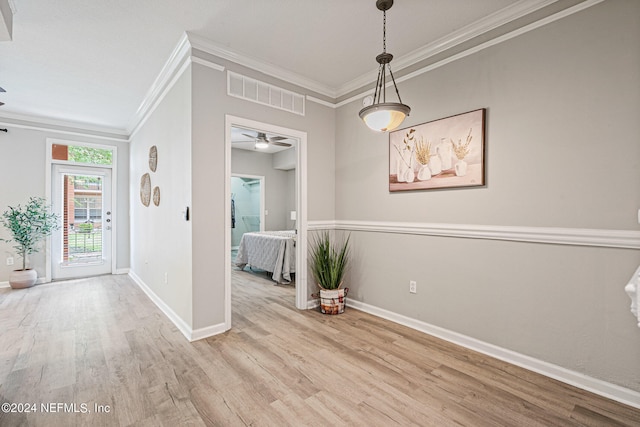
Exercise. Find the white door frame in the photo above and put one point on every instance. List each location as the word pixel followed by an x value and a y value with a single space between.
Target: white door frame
pixel 114 198
pixel 301 208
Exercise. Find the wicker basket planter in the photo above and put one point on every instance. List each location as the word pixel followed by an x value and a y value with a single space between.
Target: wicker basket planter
pixel 328 263
pixel 332 301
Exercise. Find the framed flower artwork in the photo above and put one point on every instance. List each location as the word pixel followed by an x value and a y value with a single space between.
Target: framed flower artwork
pixel 444 153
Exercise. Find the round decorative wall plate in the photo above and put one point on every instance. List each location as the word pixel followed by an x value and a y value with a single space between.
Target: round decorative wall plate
pixel 145 189
pixel 153 158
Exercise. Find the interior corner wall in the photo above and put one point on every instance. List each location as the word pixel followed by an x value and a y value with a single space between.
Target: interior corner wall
pixel 22 171
pixel 211 104
pixel 563 102
pixel 160 236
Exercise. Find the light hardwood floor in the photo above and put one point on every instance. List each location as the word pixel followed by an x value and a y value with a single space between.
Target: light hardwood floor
pixel 101 342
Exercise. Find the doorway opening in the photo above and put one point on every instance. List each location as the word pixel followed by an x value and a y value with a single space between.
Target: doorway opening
pixel 279 212
pixel 80 181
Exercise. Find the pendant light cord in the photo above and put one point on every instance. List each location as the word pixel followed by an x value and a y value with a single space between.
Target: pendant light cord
pixel 384 50
pixel 384 31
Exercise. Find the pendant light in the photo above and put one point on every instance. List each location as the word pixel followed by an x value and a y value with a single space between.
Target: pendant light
pixel 378 114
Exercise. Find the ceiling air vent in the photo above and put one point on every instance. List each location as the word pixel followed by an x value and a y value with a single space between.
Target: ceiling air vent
pixel 253 90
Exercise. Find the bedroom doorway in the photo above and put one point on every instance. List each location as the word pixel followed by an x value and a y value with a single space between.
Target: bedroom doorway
pixel 284 201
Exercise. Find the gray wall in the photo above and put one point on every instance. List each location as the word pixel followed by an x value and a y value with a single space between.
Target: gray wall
pixel 563 103
pixel 161 242
pixel 22 173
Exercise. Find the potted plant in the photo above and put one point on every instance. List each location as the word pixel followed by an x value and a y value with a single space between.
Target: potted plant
pixel 28 226
pixel 328 265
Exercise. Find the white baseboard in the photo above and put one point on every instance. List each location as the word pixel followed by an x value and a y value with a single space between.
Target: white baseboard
pixel 594 385
pixel 40 281
pixel 121 271
pixel 209 331
pixel 190 334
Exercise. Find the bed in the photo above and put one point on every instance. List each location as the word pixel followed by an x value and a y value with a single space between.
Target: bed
pixel 272 251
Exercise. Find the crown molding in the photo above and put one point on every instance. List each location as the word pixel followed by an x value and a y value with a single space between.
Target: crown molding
pixel 178 61
pixel 206 63
pixel 622 239
pixel 490 22
pixel 504 16
pixel 321 102
pixel 210 47
pixel 494 41
pixel 178 56
pixel 182 53
pixel 24 121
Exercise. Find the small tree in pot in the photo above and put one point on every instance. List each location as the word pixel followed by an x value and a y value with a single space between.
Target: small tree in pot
pixel 29 225
pixel 328 263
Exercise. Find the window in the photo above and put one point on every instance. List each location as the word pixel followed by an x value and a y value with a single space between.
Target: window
pixel 82 154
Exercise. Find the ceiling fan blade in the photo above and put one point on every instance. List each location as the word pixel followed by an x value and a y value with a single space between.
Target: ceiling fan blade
pixel 277 138
pixel 250 136
pixel 281 144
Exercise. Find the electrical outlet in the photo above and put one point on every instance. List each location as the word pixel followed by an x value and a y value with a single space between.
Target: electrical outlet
pixel 9 260
pixel 413 286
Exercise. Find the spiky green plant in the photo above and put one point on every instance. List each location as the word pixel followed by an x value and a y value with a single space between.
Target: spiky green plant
pixel 29 225
pixel 329 261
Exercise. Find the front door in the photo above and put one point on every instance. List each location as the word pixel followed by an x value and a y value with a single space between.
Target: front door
pixel 81 196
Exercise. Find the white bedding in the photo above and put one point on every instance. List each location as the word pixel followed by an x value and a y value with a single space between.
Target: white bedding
pixel 273 251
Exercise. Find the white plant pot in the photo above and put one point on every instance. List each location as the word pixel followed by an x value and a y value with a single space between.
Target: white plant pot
pixel 20 279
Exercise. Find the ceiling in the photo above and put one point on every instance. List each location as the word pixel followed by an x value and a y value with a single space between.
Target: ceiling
pixel 91 63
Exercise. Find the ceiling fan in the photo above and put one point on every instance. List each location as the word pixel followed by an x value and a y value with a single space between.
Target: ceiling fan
pixel 263 142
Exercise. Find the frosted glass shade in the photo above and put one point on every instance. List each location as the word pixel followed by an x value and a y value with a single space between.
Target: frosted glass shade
pixel 384 117
pixel 262 144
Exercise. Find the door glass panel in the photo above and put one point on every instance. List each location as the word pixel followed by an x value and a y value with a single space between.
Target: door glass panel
pixel 82 219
